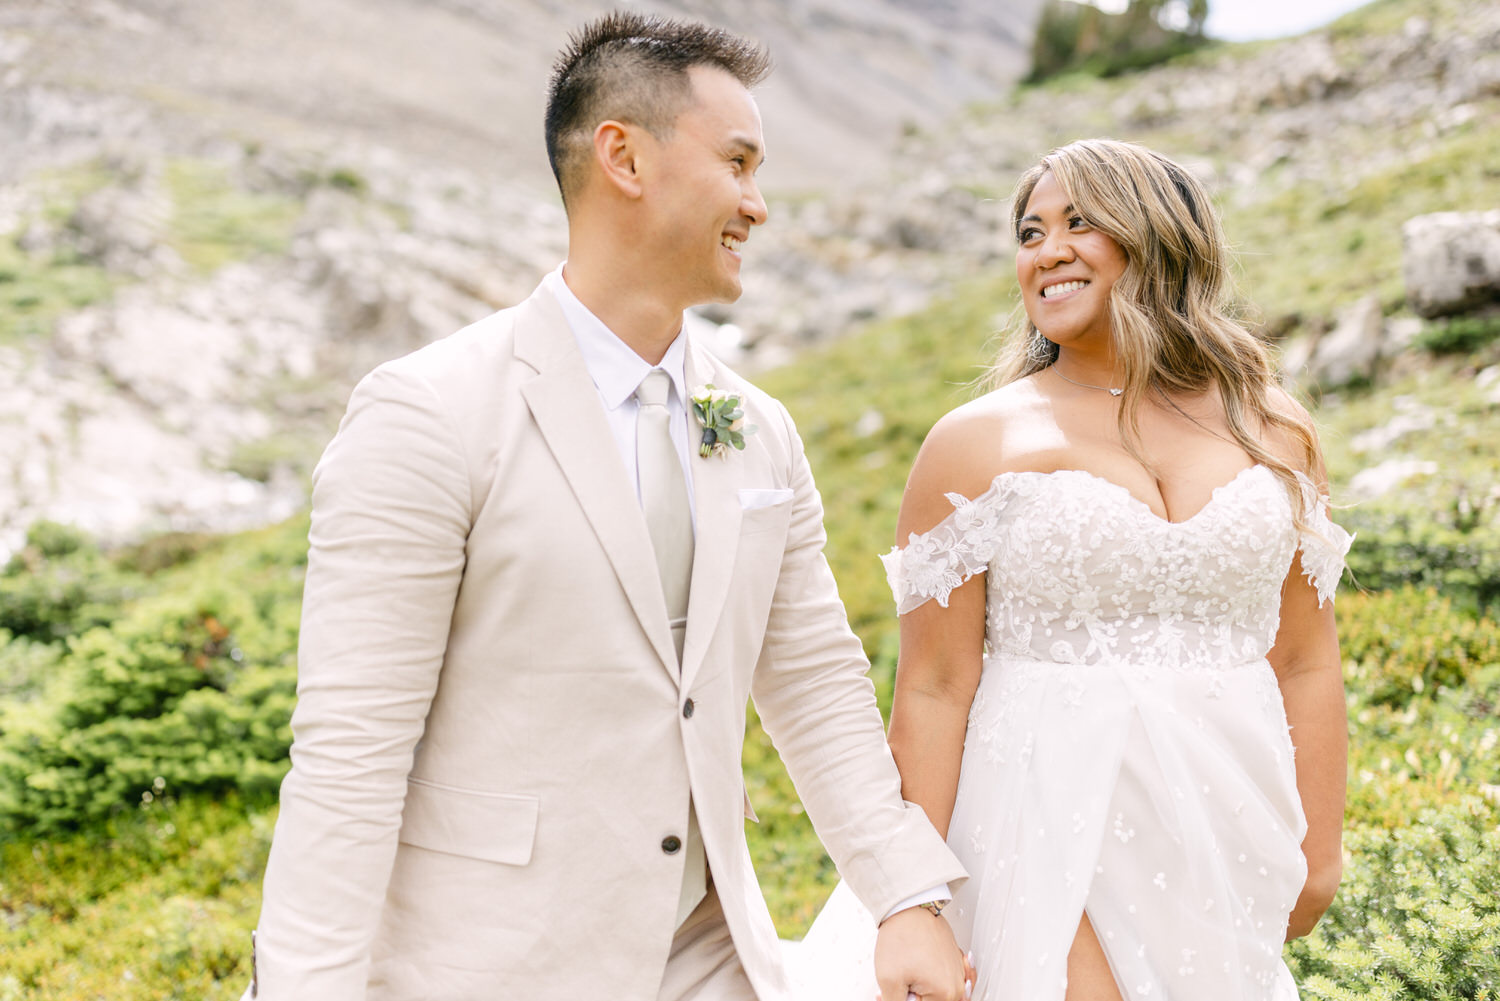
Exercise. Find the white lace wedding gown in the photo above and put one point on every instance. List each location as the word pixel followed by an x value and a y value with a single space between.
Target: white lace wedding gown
pixel 1127 752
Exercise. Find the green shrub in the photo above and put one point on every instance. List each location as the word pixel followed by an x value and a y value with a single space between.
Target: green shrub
pixel 1417 916
pixel 156 905
pixel 1454 552
pixel 1403 642
pixel 52 539
pixel 164 696
pixel 1423 681
pixel 191 688
pixel 1433 751
pixel 162 552
pixel 1461 334
pixel 25 665
pixel 59 585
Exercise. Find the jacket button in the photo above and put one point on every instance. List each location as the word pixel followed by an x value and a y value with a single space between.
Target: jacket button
pixel 687 709
pixel 671 844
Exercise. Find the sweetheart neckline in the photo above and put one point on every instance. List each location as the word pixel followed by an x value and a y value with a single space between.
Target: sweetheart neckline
pixel 1213 497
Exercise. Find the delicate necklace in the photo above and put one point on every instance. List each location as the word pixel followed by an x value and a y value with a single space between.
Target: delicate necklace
pixel 1112 391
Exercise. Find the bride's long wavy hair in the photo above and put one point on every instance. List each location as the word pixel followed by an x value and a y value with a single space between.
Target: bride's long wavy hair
pixel 1169 312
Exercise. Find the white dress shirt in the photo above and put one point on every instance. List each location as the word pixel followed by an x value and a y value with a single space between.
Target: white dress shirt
pixel 617 370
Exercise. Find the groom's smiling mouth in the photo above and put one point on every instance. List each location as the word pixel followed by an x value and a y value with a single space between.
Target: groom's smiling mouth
pixel 732 243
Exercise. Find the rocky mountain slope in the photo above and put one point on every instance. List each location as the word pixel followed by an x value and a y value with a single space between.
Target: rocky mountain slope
pixel 199 257
pixel 460 83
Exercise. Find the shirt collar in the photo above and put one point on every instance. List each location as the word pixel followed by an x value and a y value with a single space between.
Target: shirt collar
pixel 613 365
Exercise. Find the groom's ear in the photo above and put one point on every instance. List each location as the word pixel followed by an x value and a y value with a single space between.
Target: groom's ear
pixel 616 147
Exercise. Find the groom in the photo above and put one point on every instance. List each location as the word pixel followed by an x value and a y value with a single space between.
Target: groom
pixel 534 613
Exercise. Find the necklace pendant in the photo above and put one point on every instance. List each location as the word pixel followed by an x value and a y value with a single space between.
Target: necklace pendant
pixel 1115 392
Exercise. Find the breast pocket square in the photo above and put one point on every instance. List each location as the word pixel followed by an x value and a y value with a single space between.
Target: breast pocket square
pixel 754 498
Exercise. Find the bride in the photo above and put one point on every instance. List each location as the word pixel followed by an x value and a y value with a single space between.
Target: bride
pixel 1119 690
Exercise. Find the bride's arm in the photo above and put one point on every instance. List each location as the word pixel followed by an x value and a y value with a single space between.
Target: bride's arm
pixel 936 675
pixel 1309 670
pixel 941 647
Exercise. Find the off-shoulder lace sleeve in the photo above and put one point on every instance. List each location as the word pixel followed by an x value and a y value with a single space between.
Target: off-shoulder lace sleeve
pixel 934 563
pixel 1322 543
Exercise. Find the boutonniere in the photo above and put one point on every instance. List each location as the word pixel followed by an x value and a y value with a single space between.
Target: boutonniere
pixel 722 415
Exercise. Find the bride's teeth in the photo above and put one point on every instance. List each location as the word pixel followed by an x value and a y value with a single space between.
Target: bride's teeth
pixel 1062 288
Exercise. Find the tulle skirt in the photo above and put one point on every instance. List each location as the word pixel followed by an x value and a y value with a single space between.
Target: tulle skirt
pixel 1164 805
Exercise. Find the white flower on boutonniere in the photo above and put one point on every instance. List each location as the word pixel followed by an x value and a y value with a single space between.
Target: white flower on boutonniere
pixel 722 415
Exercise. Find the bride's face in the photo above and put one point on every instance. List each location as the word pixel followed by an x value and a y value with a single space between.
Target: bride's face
pixel 1065 267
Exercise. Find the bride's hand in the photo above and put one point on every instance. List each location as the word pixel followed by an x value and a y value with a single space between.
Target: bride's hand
pixel 970 975
pixel 916 955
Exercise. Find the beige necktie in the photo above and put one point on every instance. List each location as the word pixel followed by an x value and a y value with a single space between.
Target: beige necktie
pixel 664 498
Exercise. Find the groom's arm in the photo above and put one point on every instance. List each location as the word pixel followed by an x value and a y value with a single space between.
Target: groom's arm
pixel 812 693
pixel 390 515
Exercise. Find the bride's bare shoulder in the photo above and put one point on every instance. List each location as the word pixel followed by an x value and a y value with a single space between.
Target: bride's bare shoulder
pixel 985 422
pixel 970 444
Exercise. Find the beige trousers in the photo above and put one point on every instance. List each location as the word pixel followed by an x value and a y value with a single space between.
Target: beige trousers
pixel 703 965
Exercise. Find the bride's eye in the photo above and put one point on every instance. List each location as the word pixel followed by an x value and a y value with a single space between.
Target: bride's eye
pixel 1028 234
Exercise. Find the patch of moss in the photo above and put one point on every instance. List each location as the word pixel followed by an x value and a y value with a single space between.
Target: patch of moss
pixel 258 460
pixel 38 287
pixel 35 290
pixel 216 221
pixel 63 188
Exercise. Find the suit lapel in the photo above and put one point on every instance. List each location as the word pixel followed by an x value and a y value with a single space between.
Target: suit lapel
pixel 565 405
pixel 716 510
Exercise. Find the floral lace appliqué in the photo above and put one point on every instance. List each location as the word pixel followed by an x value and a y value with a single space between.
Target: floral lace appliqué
pixel 1079 571
pixel 935 563
pixel 1322 544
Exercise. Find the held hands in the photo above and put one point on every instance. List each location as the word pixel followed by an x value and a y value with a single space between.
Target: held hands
pixel 917 957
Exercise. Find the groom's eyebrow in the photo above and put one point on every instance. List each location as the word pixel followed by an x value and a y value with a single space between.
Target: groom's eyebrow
pixel 749 147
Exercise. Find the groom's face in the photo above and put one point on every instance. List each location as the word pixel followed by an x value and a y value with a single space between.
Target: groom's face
pixel 704 197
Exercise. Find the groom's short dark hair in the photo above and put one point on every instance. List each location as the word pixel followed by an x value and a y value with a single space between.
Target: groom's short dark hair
pixel 633 68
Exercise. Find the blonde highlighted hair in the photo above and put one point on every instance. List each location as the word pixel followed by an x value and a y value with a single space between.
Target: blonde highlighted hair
pixel 1170 317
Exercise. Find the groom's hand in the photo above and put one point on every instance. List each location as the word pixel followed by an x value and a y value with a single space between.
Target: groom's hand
pixel 915 953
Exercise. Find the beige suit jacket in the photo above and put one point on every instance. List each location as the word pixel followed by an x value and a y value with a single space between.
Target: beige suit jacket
pixel 492 734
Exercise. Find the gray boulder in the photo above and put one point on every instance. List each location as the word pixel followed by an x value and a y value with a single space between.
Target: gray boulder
pixel 1350 350
pixel 1451 261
